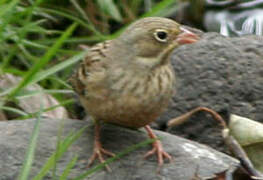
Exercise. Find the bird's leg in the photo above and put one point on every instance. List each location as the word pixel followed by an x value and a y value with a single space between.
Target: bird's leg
pixel 98 151
pixel 157 148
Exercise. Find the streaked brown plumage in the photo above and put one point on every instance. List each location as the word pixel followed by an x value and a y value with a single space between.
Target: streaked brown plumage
pixel 129 80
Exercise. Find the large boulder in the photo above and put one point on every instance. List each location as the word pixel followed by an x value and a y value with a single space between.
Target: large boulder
pixel 191 160
pixel 222 73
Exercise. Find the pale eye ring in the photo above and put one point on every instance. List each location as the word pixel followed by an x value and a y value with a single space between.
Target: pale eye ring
pixel 161 35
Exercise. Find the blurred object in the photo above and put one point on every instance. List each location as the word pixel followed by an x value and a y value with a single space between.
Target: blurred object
pixel 221 3
pixel 234 18
pixel 30 100
pixel 228 17
pixel 239 135
pixel 110 9
pixel 249 134
pixel 233 23
pixel 190 12
pixel 197 8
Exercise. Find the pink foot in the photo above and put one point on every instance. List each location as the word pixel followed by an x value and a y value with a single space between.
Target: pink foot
pixel 98 151
pixel 157 148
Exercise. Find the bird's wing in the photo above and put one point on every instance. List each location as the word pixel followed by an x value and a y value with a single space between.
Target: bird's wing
pixel 91 70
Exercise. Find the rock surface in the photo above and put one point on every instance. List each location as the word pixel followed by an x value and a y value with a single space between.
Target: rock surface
pixel 224 74
pixel 30 104
pixel 190 158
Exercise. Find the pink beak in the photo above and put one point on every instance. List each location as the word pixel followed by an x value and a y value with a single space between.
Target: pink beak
pixel 186 37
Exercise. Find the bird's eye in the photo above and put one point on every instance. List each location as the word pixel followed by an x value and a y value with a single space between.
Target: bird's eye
pixel 161 35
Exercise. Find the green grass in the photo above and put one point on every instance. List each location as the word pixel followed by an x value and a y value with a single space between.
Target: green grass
pixel 60 150
pixel 25 171
pixel 39 44
pixel 29 76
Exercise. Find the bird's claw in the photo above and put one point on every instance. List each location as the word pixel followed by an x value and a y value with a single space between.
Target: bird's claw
pixel 98 153
pixel 161 154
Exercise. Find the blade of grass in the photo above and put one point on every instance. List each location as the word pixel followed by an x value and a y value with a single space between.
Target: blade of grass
pixel 43 61
pixel 158 8
pixel 14 110
pixel 82 39
pixel 109 7
pixel 147 5
pixel 30 27
pixel 60 82
pixel 31 93
pixel 27 164
pixel 65 144
pixel 17 34
pixel 71 164
pixel 9 57
pixel 3 1
pixel 29 11
pixel 40 46
pixel 43 74
pixel 54 69
pixel 12 71
pixel 9 7
pixel 27 54
pixel 84 16
pixel 64 103
pixel 118 156
pixel 40 13
pixel 155 10
pixel 135 5
pixel 75 19
pixel 59 137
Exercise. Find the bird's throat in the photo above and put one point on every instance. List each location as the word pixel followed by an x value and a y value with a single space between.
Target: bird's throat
pixel 165 55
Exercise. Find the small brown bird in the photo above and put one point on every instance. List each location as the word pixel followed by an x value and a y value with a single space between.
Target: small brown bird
pixel 129 81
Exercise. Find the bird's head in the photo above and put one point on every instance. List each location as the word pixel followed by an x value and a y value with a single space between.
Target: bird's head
pixel 151 40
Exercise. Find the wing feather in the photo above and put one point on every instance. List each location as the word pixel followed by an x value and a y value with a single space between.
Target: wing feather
pixel 91 70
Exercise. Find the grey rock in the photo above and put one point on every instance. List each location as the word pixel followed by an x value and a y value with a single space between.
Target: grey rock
pixel 224 74
pixel 190 158
pixel 30 104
